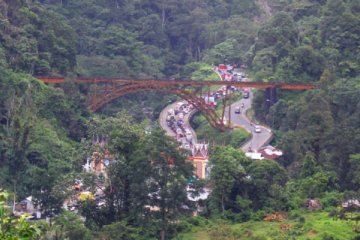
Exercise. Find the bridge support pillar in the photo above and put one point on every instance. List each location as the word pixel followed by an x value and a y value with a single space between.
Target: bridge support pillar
pixel 270 97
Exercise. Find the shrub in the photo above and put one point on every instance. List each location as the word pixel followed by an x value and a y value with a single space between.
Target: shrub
pixel 183 226
pixel 259 215
pixel 331 199
pixel 328 237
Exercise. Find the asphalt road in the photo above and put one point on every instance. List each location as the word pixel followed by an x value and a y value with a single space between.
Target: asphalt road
pixel 258 139
pixel 169 131
pixel 255 143
pixel 162 120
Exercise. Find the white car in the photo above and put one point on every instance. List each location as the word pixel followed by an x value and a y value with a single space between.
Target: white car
pixel 187 146
pixel 257 129
pixel 188 136
pixel 178 131
pixel 181 116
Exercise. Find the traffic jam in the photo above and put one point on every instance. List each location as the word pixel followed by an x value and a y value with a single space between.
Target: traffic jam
pixel 176 121
pixel 176 116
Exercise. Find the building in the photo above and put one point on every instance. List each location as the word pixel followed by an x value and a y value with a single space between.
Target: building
pixel 27 206
pixel 200 158
pixel 99 159
pixel 269 152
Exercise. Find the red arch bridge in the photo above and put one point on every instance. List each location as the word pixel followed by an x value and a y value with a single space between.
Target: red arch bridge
pixel 102 91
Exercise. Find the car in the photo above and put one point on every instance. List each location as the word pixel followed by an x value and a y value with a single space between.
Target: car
pixel 237 110
pixel 246 95
pixel 257 129
pixel 181 116
pixel 186 110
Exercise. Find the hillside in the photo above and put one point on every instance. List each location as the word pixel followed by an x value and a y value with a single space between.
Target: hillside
pixel 48 134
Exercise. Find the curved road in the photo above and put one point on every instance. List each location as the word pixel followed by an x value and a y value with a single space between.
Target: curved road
pixel 169 131
pixel 257 140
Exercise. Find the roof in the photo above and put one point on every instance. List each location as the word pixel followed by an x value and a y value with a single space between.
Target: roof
pixel 254 155
pixel 269 152
pixel 200 150
pixel 202 195
pixel 351 203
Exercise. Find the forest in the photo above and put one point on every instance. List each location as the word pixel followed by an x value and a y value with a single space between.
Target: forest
pixel 47 131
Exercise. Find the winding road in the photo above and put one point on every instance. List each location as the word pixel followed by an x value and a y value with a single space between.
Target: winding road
pixel 258 139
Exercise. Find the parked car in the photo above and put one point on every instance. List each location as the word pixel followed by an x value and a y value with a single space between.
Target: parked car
pixel 257 129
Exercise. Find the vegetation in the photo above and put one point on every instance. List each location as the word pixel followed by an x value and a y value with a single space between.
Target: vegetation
pixel 311 225
pixel 12 228
pixel 214 137
pixel 47 132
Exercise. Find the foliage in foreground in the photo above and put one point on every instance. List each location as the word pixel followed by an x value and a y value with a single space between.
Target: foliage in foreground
pixel 301 225
pixel 12 228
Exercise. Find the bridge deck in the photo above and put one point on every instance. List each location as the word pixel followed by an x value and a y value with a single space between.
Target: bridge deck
pixel 167 83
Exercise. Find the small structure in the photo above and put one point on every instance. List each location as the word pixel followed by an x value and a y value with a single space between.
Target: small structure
pixel 269 152
pixel 275 217
pixel 200 158
pixel 313 204
pixel 27 206
pixel 100 159
pixel 254 155
pixel 351 203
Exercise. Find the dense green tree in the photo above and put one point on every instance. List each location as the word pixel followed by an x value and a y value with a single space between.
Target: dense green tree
pixel 170 172
pixel 119 231
pixel 226 172
pixel 68 226
pixel 353 175
pixel 12 228
pixel 267 180
pixel 280 35
pixel 225 52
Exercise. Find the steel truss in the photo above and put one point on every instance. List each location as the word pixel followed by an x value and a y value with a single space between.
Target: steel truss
pixel 104 91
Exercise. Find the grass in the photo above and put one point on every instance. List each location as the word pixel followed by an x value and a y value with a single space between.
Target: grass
pixel 309 226
pixel 207 133
pixel 204 71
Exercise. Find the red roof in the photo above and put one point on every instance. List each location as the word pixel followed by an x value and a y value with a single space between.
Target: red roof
pixel 269 152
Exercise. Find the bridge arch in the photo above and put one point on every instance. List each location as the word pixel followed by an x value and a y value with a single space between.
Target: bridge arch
pixel 100 99
pixel 102 94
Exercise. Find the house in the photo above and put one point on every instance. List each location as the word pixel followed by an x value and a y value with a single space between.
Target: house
pixel 269 152
pixel 351 203
pixel 27 206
